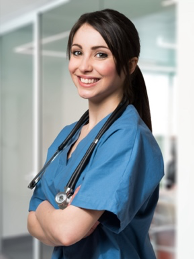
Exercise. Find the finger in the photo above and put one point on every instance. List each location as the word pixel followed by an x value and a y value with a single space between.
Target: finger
pixel 75 193
pixel 77 190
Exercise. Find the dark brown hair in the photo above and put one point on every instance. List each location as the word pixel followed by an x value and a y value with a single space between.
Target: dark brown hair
pixel 123 41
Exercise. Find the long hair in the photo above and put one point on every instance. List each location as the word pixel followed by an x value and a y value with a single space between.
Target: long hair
pixel 123 41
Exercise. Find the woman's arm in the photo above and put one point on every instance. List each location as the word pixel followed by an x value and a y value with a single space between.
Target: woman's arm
pixel 64 227
pixel 36 230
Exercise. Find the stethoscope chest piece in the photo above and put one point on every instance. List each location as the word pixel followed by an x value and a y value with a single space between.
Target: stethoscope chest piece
pixel 63 198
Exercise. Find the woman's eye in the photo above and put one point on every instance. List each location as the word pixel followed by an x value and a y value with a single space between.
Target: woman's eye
pixel 101 55
pixel 76 53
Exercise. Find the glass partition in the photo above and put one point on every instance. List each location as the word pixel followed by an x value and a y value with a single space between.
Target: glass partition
pixel 16 140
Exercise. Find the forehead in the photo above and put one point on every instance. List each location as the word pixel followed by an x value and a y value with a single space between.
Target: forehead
pixel 87 35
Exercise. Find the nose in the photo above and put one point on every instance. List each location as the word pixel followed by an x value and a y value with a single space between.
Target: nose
pixel 86 65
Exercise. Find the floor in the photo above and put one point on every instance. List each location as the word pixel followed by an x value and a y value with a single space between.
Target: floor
pixel 21 248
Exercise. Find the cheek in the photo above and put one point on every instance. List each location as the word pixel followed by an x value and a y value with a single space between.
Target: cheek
pixel 72 65
pixel 108 69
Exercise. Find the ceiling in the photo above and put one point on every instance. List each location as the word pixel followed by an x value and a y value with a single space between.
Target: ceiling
pixel 11 10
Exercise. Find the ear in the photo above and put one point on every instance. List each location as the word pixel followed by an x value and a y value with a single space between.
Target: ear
pixel 132 64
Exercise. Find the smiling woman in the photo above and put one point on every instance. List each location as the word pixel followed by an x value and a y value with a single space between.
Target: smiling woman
pixel 116 193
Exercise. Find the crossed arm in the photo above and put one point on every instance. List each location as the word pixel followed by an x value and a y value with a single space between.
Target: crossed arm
pixel 57 227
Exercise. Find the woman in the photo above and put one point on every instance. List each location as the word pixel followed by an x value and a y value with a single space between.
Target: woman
pixel 116 195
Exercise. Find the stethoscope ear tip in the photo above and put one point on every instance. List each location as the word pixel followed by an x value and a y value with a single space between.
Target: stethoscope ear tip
pixel 33 183
pixel 31 186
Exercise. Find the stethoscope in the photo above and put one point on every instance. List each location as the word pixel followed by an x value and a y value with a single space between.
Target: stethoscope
pixel 63 198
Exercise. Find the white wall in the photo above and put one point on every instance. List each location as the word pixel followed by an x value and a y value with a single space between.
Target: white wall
pixel 185 238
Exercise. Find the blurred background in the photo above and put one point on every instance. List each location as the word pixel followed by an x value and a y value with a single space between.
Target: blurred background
pixel 37 98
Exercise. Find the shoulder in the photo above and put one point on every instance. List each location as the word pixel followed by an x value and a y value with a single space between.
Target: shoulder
pixel 129 121
pixel 134 136
pixel 131 132
pixel 128 126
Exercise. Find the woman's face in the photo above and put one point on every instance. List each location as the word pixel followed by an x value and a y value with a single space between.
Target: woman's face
pixel 92 67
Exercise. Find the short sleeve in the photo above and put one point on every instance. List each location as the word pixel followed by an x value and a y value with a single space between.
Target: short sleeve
pixel 123 174
pixel 37 197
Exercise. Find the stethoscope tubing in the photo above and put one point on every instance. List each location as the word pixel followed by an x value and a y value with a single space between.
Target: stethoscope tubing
pixel 35 180
pixel 115 115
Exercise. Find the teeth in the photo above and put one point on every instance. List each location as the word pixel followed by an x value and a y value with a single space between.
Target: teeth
pixel 88 81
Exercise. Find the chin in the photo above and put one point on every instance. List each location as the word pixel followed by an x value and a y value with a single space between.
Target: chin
pixel 85 95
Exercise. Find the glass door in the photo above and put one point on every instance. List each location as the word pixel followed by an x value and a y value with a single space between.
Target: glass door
pixel 16 141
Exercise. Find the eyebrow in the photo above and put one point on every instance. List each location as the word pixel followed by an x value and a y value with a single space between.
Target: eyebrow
pixel 93 48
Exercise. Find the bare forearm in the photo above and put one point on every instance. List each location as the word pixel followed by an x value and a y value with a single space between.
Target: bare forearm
pixel 68 226
pixel 44 215
pixel 36 230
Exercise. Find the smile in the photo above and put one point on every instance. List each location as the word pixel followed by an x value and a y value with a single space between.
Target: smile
pixel 88 81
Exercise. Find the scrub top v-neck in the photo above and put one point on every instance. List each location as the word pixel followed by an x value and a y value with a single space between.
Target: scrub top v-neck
pixel 122 177
pixel 68 148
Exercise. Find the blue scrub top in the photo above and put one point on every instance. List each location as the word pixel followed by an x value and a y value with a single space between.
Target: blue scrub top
pixel 122 178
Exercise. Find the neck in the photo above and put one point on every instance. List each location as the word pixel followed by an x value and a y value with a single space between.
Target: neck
pixel 97 111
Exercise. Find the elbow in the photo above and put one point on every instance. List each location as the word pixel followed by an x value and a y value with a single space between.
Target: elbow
pixel 66 237
pixel 65 241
